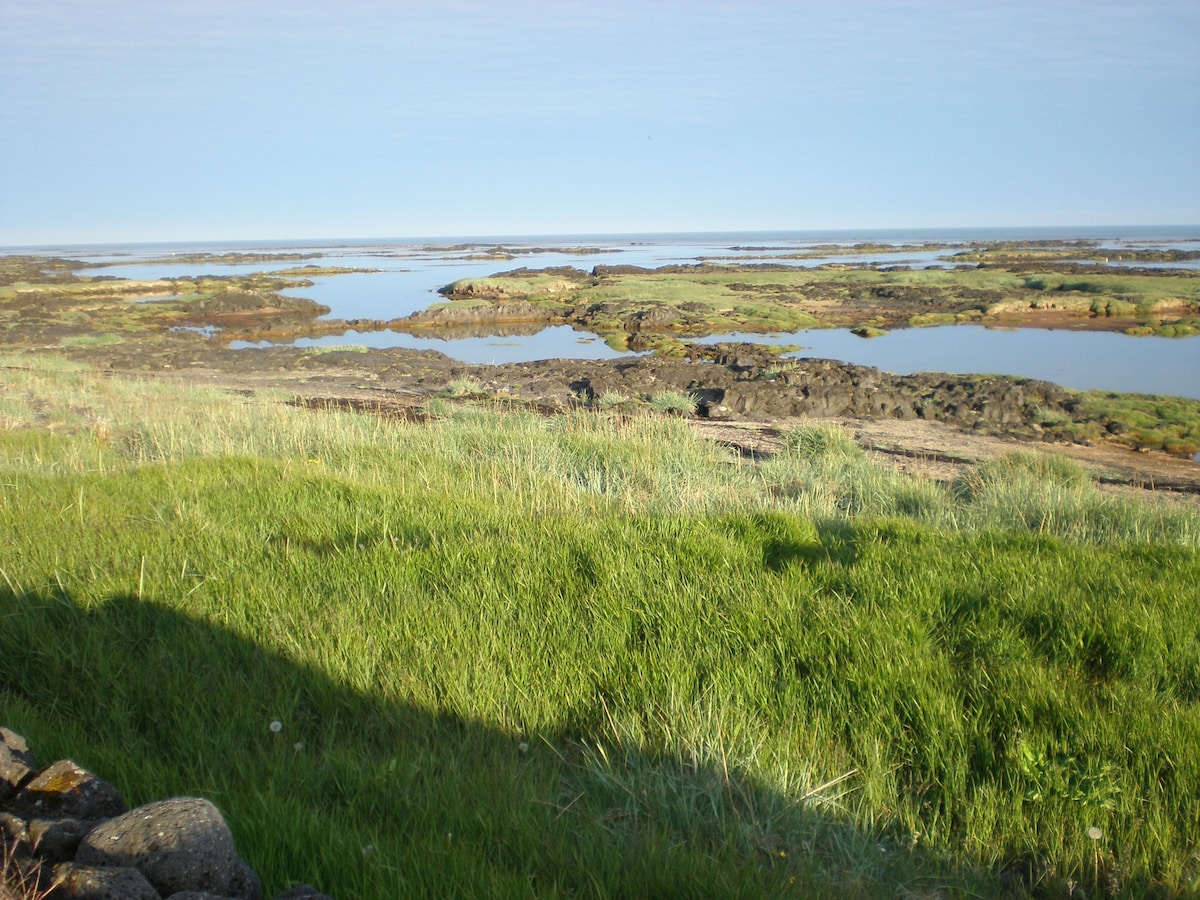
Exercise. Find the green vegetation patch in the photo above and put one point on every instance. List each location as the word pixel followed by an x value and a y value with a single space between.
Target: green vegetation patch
pixel 524 284
pixel 1006 253
pixel 928 319
pixel 675 402
pixel 1140 285
pixel 106 339
pixel 593 655
pixel 1147 420
pixel 868 331
pixel 704 299
pixel 42 303
pixel 1185 327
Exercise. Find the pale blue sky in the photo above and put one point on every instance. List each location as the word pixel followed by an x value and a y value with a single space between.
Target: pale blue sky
pixel 220 120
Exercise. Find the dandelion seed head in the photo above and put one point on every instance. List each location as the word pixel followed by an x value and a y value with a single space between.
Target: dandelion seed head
pixel 1094 833
pixel 276 726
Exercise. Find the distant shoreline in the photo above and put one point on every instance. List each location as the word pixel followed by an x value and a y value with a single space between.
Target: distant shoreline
pixel 1117 233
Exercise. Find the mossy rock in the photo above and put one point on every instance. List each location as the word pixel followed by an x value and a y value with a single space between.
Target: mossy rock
pixel 1114 308
pixel 928 319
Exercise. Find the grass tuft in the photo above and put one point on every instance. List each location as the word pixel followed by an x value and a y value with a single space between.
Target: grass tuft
pixel 611 399
pixel 679 403
pixel 464 387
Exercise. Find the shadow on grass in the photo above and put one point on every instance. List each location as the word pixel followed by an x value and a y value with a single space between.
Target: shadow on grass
pixel 366 795
pixel 786 541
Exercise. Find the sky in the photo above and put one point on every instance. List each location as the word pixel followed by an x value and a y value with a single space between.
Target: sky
pixel 190 120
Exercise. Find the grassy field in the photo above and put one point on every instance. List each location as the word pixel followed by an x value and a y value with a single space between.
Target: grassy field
pixel 512 655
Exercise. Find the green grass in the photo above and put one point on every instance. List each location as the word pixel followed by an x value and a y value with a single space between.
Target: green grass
pixel 1146 288
pixel 1148 420
pixel 465 386
pixel 322 349
pixel 612 399
pixel 533 284
pixel 587 655
pixel 680 403
pixel 91 340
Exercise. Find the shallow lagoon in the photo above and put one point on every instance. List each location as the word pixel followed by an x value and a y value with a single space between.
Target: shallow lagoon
pixel 1085 360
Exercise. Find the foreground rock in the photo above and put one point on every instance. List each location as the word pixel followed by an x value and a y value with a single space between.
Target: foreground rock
pixel 179 845
pixel 67 836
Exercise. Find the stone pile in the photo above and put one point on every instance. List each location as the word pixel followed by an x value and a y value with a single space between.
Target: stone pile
pixel 68 835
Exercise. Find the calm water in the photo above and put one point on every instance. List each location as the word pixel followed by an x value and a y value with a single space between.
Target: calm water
pixel 1086 360
pixel 554 342
pixel 409 273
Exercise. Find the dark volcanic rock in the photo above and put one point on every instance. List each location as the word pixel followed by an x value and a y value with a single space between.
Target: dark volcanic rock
pixel 657 317
pixel 751 383
pixel 76 882
pixel 180 844
pixel 17 767
pixel 56 840
pixel 64 790
pixel 511 311
pixel 14 831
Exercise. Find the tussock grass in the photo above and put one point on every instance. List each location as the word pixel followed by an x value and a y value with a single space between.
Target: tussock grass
pixel 679 403
pixel 591 655
pixel 612 399
pixel 464 387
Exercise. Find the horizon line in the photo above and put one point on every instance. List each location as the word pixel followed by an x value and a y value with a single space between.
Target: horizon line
pixel 526 236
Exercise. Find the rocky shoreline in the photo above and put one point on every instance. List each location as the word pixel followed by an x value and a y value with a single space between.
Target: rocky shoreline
pixel 68 835
pixel 742 383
